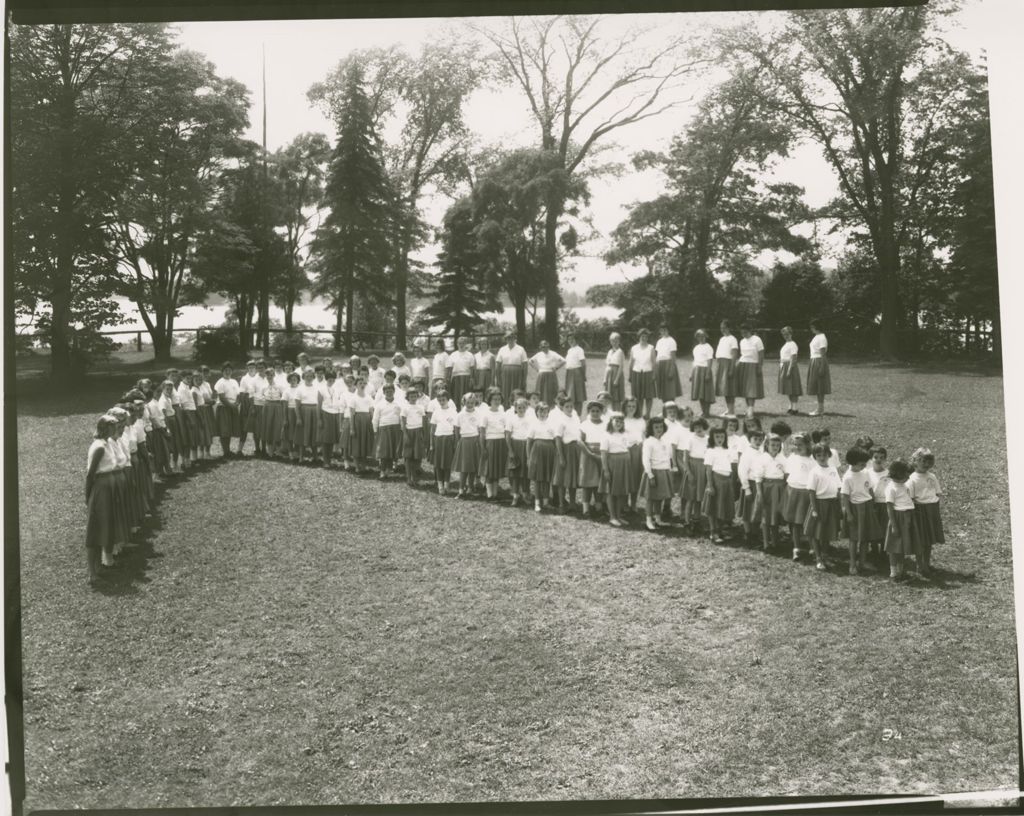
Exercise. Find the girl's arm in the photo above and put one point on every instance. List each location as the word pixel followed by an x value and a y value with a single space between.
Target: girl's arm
pixel 90 476
pixel 847 508
pixel 525 371
pixel 814 503
pixel 529 447
pixel 508 442
pixel 531 363
pixel 483 443
pixel 559 453
pixel 605 466
pixel 710 479
pixel 645 459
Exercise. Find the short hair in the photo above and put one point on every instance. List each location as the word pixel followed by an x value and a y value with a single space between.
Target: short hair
pixel 405 377
pixel 700 334
pixel 718 429
pixel 373 358
pixel 225 364
pixel 636 406
pixel 820 449
pixel 614 336
pixel 655 420
pixel 491 395
pixel 542 406
pixel 686 410
pixel 899 470
pixel 698 424
pixel 671 406
pixel 815 324
pixel 801 440
pixel 781 428
pixel 103 426
pixel 725 324
pixel 294 374
pixel 755 433
pixel 768 440
pixel 787 330
pixel 319 369
pixel 443 392
pixel 880 449
pixel 865 443
pixel 302 354
pixel 730 421
pixel 390 373
pixel 611 420
pixel 819 433
pixel 857 456
pixel 517 393
pixel 388 387
pixel 642 332
pixel 533 394
pixel 751 424
pixel 922 456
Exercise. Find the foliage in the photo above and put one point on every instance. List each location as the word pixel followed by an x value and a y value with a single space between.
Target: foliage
pixel 795 294
pixel 215 344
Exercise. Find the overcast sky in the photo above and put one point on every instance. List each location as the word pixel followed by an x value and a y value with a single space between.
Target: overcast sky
pixel 301 52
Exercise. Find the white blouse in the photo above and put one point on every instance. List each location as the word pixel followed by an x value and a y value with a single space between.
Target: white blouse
pixel 462 363
pixel 798 470
pixel 642 357
pixel 420 367
pixel 360 404
pixel 386 413
pixel 879 482
pixel 494 424
pixel 665 348
pixel 468 423
pixel 308 394
pixel 899 496
pixel 788 352
pixel 413 414
pixel 726 346
pixel 857 486
pixel 109 460
pixel 439 364
pixel 636 429
pixel 613 442
pixel 698 447
pixel 702 355
pixel 292 395
pixel 824 481
pixel 749 349
pixel 819 343
pixel 924 487
pixel 511 356
pixel 591 433
pixel 615 357
pixel 227 389
pixel 736 444
pixel 185 397
pixel 443 420
pixel 656 454
pixel 575 357
pixel 570 428
pixel 718 460
pixel 766 466
pixel 518 426
pixel 549 428
pixel 547 360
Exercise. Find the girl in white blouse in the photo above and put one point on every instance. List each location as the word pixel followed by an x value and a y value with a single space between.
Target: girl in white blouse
pixel 615 466
pixel 822 523
pixel 749 509
pixel 720 500
pixel 702 382
pixel 107 522
pixel 900 533
pixel 798 500
pixel 924 488
pixel 467 445
pixel 636 430
pixel 517 431
pixel 641 373
pixel 575 373
pixel 750 369
pixel 493 425
pixel 615 371
pixel 726 354
pixel 695 480
pixel 462 365
pixel 308 435
pixel 666 372
pixel 789 372
pixel 819 379
pixel 387 431
pixel 414 442
pixel 567 470
pixel 442 440
pixel 272 429
pixel 510 365
pixel 546 362
pixel 226 410
pixel 361 442
pixel 768 472
pixel 656 457
pixel 203 438
pixel 543 451
pixel 857 500
pixel 592 430
pixel 292 428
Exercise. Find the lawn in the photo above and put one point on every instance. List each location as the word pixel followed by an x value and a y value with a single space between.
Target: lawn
pixel 287 635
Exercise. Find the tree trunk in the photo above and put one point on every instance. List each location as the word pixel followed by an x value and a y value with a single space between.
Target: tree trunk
pixel 60 300
pixel 520 307
pixel 337 322
pixel 161 346
pixel 350 298
pixel 889 269
pixel 552 296
pixel 289 308
pixel 401 290
pixel 265 321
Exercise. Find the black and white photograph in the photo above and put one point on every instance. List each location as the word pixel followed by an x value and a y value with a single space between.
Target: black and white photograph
pixel 544 408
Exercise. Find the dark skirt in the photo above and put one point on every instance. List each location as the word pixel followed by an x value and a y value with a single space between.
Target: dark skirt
pixel 290 429
pixel 798 499
pixel 497 459
pixel 567 475
pixel 187 426
pixel 702 384
pixel 725 377
pixel 255 420
pixel 517 466
pixel 229 421
pixel 928 524
pixel 641 385
pixel 309 432
pixel 750 381
pixel 511 378
pixel 547 387
pixel 157 443
pixel 826 524
pixel 200 439
pixel 819 380
pixel 389 442
pixel 460 385
pixel 122 506
pixel 142 488
pixel 173 423
pixel 244 411
pixel 591 471
pixel 773 501
pixel 343 446
pixel 636 466
pixel 482 379
pixel 666 380
pixel 272 426
pixel 329 427
pixel 695 481
pixel 722 505
pixel 620 480
pixel 881 514
pixel 657 489
pixel 789 380
pixel 444 453
pixel 615 385
pixel 414 444
pixel 899 539
pixel 361 436
pixel 208 421
pixel 542 461
pixel 146 474
pixel 749 507
pixel 863 525
pixel 576 384
pixel 467 456
pixel 106 523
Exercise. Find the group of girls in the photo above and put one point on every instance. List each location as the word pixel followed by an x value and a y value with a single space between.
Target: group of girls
pixel 733 369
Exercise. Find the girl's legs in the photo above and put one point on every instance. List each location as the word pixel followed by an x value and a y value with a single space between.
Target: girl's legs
pixel 820 544
pixel 730 404
pixel 750 408
pixel 225 446
pixel 632 502
pixel 792 404
pixel 896 566
pixel 705 408
pixel 614 503
pixel 794 529
pixel 384 466
pixel 328 453
pixel 412 470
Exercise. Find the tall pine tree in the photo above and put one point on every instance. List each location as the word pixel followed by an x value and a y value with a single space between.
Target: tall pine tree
pixel 353 245
pixel 462 296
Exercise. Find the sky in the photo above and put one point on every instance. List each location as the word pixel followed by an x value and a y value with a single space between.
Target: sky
pixel 302 52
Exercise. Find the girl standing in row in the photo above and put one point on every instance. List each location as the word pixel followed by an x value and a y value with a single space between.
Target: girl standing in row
pixel 702 381
pixel 615 463
pixel 546 362
pixel 493 427
pixel 615 369
pixel 641 373
pixel 789 372
pixel 442 440
pixel 666 372
pixel 575 374
pixel 544 453
pixel 656 457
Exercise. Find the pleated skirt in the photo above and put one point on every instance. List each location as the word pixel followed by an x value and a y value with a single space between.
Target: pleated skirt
pixel 482 379
pixel 444 453
pixel 819 379
pixel 361 436
pixel 208 421
pixel 658 488
pixel 138 489
pixel 173 423
pixel 641 385
pixel 928 524
pixel 695 481
pixel 881 518
pixel 773 501
pixel 290 430
pixel 244 411
pixel 798 499
pixel 344 444
pixel 467 456
pixel 567 475
pixel 157 443
pixel 542 461
pixel 899 538
pixel 789 380
pixel 511 378
pixel 749 381
pixel 389 442
pixel 749 508
pixel 272 425
pixel 497 459
pixel 863 526
pixel 620 478
pixel 229 422
pixel 146 474
pixel 517 467
pixel 826 524
pixel 575 384
pixel 308 434
pixel 722 505
pixel 591 472
pixel 636 466
pixel 414 445
pixel 201 438
pixel 615 385
pixel 329 427
pixel 122 506
pixel 666 380
pixel 725 377
pixel 187 427
pixel 255 422
pixel 702 384
pixel 547 387
pixel 460 385
pixel 106 523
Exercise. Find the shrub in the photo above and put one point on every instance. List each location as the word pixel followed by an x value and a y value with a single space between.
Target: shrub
pixel 215 344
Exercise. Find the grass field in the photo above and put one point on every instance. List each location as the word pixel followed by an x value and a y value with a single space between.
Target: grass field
pixel 286 635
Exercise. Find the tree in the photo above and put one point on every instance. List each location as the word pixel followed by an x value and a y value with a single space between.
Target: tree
pixel 182 146
pixel 846 77
pixel 462 295
pixel 719 208
pixel 354 242
pixel 76 97
pixel 299 169
pixel 422 99
pixel 582 86
pixel 791 291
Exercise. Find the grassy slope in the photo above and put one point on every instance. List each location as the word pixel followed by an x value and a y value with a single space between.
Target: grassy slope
pixel 337 641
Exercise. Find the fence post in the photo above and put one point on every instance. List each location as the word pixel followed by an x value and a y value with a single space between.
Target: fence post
pixel 138 341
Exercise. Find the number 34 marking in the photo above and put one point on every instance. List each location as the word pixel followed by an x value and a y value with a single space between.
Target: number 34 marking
pixel 891 734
